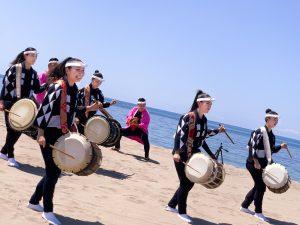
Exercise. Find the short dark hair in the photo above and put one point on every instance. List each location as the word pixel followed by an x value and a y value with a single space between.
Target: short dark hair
pixel 53 59
pixel 141 100
pixel 270 111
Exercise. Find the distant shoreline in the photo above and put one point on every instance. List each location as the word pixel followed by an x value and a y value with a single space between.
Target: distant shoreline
pixel 216 122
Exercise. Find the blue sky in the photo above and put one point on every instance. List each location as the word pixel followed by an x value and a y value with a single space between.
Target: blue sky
pixel 243 53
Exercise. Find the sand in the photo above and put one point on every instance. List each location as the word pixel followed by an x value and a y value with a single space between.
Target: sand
pixel 127 190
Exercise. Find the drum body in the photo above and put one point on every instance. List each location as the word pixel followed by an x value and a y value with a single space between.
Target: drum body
pixel 103 131
pixel 217 178
pixel 276 178
pixel 75 145
pixel 203 170
pixel 94 164
pixel 23 114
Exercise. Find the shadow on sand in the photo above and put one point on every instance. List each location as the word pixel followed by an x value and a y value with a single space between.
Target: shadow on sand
pixel 278 222
pixel 113 174
pixel 140 158
pixel 70 221
pixel 35 170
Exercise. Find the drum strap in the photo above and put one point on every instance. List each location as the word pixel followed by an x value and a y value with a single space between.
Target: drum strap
pixel 63 107
pixel 191 133
pixel 18 79
pixel 266 144
pixel 87 94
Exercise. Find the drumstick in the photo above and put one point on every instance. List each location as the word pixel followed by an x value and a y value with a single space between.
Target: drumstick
pixel 288 151
pixel 57 149
pixel 12 113
pixel 227 135
pixel 190 166
pixel 105 113
pixel 271 175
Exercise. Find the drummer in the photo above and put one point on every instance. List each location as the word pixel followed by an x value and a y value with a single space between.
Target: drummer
pixel 192 128
pixel 89 95
pixel 11 93
pixel 261 146
pixel 44 78
pixel 55 118
pixel 137 122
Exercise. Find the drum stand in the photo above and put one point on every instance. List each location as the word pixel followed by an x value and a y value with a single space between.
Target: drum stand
pixel 220 151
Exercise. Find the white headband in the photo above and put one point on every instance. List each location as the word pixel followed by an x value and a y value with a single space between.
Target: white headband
pixel 29 52
pixel 205 99
pixel 98 78
pixel 52 62
pixel 139 102
pixel 77 63
pixel 272 115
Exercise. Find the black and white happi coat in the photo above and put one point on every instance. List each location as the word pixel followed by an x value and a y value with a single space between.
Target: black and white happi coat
pixel 49 112
pixel 256 146
pixel 29 84
pixel 95 95
pixel 200 134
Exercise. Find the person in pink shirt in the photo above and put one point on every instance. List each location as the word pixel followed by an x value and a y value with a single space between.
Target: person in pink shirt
pixel 137 121
pixel 43 77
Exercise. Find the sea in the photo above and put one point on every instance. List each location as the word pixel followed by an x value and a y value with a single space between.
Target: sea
pixel 163 125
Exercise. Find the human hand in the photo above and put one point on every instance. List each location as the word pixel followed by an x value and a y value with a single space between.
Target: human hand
pixel 1 105
pixel 114 101
pixel 176 157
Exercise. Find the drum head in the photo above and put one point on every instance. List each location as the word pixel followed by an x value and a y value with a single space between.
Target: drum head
pixel 199 168
pixel 97 129
pixel 75 145
pixel 22 115
pixel 275 176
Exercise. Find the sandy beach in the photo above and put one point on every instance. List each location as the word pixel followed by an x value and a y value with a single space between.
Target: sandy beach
pixel 126 190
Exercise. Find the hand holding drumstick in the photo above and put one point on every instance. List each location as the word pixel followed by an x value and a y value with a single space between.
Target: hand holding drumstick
pixel 134 121
pixel 284 145
pixel 222 129
pixel 41 138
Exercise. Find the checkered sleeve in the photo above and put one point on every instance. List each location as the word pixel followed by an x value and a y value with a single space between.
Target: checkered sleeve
pixel 212 132
pixel 46 110
pixel 254 141
pixel 8 91
pixel 181 134
pixel 80 108
pixel 80 97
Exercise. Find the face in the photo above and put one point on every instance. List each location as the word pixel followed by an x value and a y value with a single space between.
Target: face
pixel 204 106
pixel 96 83
pixel 75 73
pixel 141 106
pixel 30 58
pixel 51 66
pixel 272 122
